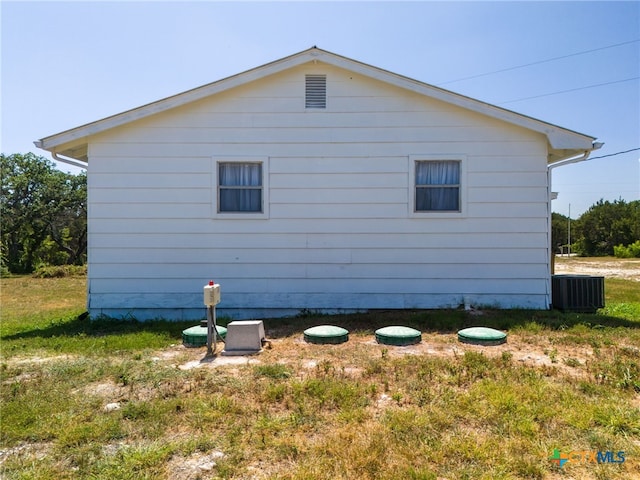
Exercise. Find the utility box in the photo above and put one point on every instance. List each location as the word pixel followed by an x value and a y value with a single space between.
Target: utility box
pixel 212 294
pixel 577 293
pixel 244 338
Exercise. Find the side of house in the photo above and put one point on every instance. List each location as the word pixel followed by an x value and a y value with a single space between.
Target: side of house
pixel 335 226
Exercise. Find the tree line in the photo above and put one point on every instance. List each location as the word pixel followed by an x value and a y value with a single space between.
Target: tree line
pixel 43 214
pixel 606 228
pixel 43 219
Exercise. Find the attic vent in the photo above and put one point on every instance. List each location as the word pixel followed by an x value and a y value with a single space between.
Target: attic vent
pixel 315 91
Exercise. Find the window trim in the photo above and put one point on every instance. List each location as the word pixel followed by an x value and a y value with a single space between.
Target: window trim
pixel 264 162
pixel 413 159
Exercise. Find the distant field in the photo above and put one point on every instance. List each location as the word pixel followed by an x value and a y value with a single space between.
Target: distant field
pixel 125 400
pixel 609 267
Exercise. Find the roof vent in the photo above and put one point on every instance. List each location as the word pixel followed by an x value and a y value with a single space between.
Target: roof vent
pixel 315 91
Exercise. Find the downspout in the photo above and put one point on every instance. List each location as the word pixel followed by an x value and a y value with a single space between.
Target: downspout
pixel 579 158
pixel 57 158
pixel 75 163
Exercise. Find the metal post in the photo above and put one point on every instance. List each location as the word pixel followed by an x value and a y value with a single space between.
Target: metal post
pixel 569 234
pixel 212 331
pixel 209 330
pixel 215 330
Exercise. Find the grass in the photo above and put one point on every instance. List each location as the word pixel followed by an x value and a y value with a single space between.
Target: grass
pixel 301 411
pixel 47 315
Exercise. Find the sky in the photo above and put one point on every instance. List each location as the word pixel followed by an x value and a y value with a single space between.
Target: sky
pixel 572 64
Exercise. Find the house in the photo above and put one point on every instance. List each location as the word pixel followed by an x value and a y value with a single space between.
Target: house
pixel 317 183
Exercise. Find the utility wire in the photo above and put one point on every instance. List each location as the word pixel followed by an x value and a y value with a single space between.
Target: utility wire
pixel 614 154
pixel 538 62
pixel 570 90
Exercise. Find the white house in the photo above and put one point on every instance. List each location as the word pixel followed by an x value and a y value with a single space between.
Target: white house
pixel 318 183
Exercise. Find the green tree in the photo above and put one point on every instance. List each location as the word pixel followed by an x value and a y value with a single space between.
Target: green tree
pixel 42 213
pixel 606 225
pixel 559 231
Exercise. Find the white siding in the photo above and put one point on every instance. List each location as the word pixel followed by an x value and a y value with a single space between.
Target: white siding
pixel 339 235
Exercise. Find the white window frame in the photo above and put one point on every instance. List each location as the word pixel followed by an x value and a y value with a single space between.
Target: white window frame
pixel 264 162
pixel 413 159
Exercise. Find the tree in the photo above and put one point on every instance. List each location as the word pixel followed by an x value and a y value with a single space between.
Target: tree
pixel 42 212
pixel 559 231
pixel 607 224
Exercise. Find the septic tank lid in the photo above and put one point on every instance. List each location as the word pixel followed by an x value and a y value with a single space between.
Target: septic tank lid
pixel 482 336
pixel 397 335
pixel 197 336
pixel 326 334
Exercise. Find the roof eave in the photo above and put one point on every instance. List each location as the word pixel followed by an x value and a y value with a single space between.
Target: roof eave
pixel 70 142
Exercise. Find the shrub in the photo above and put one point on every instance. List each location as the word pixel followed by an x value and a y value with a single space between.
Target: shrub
pixel 630 251
pixel 58 271
pixel 4 272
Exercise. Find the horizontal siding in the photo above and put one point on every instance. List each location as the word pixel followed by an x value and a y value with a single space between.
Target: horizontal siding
pixel 267 241
pixel 149 180
pixel 313 271
pixel 434 117
pixel 360 256
pixel 173 306
pixel 328 196
pixel 328 133
pixel 202 211
pixel 294 148
pixel 105 196
pixel 345 180
pixel 338 234
pixel 508 194
pixel 188 226
pixel 149 165
pixel 233 288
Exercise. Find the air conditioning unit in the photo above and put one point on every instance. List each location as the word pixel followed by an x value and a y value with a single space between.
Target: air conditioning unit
pixel 577 293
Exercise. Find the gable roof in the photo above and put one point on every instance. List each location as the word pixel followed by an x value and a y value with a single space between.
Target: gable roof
pixel 563 143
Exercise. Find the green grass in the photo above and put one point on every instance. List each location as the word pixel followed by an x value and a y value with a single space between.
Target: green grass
pixel 299 411
pixel 48 316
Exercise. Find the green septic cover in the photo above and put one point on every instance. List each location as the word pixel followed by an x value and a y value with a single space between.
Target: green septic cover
pixel 326 334
pixel 197 336
pixel 482 336
pixel 396 335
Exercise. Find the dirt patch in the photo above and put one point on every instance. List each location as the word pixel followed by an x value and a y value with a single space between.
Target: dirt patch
pixel 36 451
pixel 521 348
pixel 625 268
pixel 39 360
pixel 194 466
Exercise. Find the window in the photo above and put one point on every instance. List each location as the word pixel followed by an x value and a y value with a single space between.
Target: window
pixel 315 91
pixel 240 187
pixel 437 186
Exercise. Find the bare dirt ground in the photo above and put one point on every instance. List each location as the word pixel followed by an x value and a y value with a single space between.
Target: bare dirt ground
pixel 626 268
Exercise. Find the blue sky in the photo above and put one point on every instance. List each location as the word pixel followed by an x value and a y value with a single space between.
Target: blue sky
pixel 69 63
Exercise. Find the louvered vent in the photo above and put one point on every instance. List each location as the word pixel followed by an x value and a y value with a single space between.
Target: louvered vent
pixel 316 91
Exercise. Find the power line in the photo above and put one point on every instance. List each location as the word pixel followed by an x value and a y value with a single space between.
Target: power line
pixel 614 154
pixel 570 90
pixel 538 62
